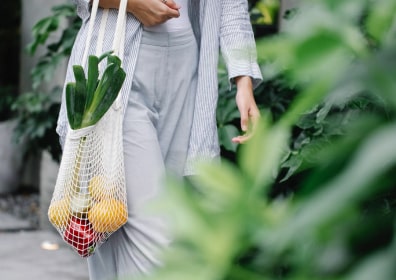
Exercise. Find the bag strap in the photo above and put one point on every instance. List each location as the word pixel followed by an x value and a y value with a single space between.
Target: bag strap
pixel 118 41
pixel 102 28
pixel 120 29
pixel 119 36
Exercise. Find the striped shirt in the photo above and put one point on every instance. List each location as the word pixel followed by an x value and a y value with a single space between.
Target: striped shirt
pixel 218 25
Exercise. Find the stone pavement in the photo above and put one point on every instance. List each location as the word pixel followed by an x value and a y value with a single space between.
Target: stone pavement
pixel 24 254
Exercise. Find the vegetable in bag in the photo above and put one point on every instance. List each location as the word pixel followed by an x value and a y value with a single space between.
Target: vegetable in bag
pixel 87 100
pixel 88 212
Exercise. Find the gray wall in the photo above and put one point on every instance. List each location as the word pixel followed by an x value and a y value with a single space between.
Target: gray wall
pixel 10 159
pixel 32 11
pixel 42 171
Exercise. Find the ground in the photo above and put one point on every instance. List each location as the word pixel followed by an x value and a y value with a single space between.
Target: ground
pixel 23 205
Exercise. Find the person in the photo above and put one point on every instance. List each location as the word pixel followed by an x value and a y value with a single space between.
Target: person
pixel 169 98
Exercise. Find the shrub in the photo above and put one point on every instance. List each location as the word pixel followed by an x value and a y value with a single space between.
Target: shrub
pixel 331 150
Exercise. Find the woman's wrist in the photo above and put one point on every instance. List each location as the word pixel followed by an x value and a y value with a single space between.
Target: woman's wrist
pixel 108 4
pixel 243 83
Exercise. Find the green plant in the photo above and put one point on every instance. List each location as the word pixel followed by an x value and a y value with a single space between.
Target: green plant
pixel 264 16
pixel 37 111
pixel 37 116
pixel 275 94
pixel 89 98
pixel 57 51
pixel 8 97
pixel 338 221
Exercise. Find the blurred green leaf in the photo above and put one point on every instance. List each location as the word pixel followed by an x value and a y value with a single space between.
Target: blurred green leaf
pixel 311 195
pixel 222 184
pixel 379 266
pixel 226 133
pixel 380 19
pixel 41 31
pixel 374 157
pixel 260 158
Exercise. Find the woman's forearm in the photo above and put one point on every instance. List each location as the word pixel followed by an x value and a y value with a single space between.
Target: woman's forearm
pixel 115 4
pixel 109 4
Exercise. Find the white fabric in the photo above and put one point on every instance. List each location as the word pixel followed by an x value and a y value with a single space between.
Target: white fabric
pixel 174 24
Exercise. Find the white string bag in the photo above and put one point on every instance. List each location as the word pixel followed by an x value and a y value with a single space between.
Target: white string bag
pixel 89 199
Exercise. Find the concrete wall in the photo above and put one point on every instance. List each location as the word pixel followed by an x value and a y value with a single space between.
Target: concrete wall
pixel 32 11
pixel 10 159
pixel 42 171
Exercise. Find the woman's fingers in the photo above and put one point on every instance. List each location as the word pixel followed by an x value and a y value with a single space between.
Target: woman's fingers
pixel 241 138
pixel 173 8
pixel 171 4
pixel 173 13
pixel 153 12
pixel 247 107
pixel 249 121
pixel 244 120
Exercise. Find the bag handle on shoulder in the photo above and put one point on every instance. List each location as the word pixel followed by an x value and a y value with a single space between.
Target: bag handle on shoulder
pixel 119 35
pixel 118 47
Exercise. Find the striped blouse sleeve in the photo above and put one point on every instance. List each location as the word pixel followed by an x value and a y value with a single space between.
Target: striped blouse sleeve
pixel 83 8
pixel 237 41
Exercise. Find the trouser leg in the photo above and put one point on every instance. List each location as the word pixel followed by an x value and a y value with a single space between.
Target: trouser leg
pixel 156 133
pixel 132 249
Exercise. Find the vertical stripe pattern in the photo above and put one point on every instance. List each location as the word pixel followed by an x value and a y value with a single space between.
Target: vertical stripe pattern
pixel 217 24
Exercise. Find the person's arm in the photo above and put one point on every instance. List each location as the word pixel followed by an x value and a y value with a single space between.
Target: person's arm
pixel 237 41
pixel 247 107
pixel 148 12
pixel 239 51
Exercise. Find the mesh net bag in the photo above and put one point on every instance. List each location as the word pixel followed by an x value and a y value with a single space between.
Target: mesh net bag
pixel 89 199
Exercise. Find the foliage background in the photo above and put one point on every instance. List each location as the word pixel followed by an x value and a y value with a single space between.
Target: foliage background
pixel 312 195
pixel 37 110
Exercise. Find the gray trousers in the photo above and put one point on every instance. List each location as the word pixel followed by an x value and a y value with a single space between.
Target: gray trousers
pixel 157 129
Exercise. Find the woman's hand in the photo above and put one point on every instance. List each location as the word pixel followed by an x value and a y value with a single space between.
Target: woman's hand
pixel 153 12
pixel 148 12
pixel 247 107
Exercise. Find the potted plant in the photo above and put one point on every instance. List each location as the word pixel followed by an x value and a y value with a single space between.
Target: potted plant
pixel 38 106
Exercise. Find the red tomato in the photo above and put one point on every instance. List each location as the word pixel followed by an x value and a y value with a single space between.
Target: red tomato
pixel 81 236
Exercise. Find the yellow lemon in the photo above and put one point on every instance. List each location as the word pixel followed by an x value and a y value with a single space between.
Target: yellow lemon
pixel 108 215
pixel 59 213
pixel 100 189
